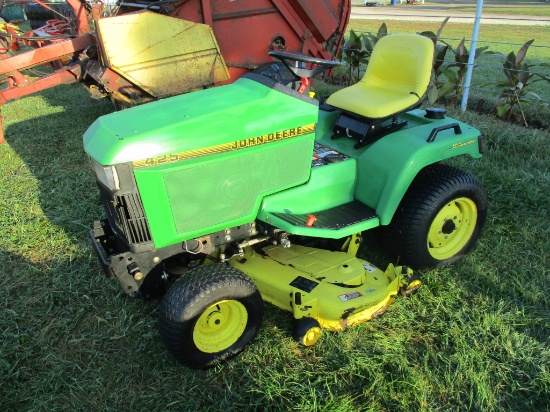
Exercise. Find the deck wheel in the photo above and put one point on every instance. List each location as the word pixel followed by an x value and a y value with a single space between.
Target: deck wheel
pixel 307 331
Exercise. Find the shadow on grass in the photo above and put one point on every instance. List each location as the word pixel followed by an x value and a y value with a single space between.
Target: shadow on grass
pixel 50 146
pixel 473 338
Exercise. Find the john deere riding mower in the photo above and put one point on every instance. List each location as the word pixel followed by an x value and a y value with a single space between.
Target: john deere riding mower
pixel 251 192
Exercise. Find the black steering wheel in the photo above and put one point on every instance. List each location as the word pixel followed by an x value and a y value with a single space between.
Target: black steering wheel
pixel 322 64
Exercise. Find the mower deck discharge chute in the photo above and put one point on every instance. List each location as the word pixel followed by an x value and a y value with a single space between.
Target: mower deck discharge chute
pixel 252 191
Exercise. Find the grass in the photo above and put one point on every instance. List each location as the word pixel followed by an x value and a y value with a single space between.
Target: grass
pixel 475 337
pixel 514 7
pixel 492 34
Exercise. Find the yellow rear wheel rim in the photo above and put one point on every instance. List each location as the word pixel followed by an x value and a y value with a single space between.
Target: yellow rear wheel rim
pixel 220 326
pixel 452 228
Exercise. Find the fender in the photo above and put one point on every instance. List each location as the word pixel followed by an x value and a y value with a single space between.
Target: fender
pixel 387 167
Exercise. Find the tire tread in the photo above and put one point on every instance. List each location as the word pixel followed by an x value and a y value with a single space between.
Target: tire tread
pixel 184 302
pixel 404 237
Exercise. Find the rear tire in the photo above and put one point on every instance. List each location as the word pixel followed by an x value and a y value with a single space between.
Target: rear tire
pixel 210 314
pixel 439 219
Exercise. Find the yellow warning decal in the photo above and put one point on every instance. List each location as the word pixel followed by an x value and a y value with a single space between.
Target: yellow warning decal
pixel 461 144
pixel 226 147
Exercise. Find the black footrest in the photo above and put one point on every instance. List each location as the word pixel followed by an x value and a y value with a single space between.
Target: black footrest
pixel 336 218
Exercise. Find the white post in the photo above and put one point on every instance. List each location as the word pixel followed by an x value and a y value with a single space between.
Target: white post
pixel 471 57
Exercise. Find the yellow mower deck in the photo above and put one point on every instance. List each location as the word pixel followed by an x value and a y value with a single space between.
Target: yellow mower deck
pixel 335 288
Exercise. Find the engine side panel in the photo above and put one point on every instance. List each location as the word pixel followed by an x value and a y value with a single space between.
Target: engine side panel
pixel 197 197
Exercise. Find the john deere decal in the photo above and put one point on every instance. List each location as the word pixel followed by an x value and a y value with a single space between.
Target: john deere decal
pixel 237 145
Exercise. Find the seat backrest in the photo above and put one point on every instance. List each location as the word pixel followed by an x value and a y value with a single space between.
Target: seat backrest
pixel 401 63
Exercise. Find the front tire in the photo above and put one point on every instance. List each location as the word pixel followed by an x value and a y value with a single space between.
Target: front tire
pixel 210 314
pixel 439 219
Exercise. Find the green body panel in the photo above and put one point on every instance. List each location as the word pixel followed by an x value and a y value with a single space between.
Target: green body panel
pixel 231 146
pixel 242 110
pixel 197 197
pixel 328 186
pixel 203 161
pixel 386 168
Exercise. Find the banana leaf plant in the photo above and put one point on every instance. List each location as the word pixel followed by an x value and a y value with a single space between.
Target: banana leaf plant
pixel 451 85
pixel 516 89
pixel 455 72
pixel 440 51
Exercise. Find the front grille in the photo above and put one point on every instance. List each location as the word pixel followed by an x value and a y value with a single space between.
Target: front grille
pixel 125 213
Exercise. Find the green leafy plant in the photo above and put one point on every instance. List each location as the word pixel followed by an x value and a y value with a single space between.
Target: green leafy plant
pixel 440 51
pixel 515 90
pixel 452 87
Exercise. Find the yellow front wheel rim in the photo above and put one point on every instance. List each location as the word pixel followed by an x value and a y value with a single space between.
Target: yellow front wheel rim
pixel 452 228
pixel 220 326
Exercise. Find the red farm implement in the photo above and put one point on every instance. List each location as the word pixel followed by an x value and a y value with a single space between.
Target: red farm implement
pixel 135 52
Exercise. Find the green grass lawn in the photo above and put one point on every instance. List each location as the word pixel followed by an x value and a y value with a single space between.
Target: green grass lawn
pixel 475 337
pixel 512 7
pixel 491 35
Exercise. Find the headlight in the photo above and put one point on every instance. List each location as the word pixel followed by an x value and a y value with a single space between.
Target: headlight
pixel 107 175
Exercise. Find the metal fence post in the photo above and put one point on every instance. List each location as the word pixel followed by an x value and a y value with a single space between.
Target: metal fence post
pixel 471 56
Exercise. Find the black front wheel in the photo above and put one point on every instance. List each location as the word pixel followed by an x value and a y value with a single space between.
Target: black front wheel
pixel 210 314
pixel 439 219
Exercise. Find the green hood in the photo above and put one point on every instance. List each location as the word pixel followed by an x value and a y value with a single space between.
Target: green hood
pixel 220 115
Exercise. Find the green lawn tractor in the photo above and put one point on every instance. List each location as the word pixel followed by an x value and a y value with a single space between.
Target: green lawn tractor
pixel 230 196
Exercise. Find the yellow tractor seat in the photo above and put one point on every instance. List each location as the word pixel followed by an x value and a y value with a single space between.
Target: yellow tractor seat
pixel 397 78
